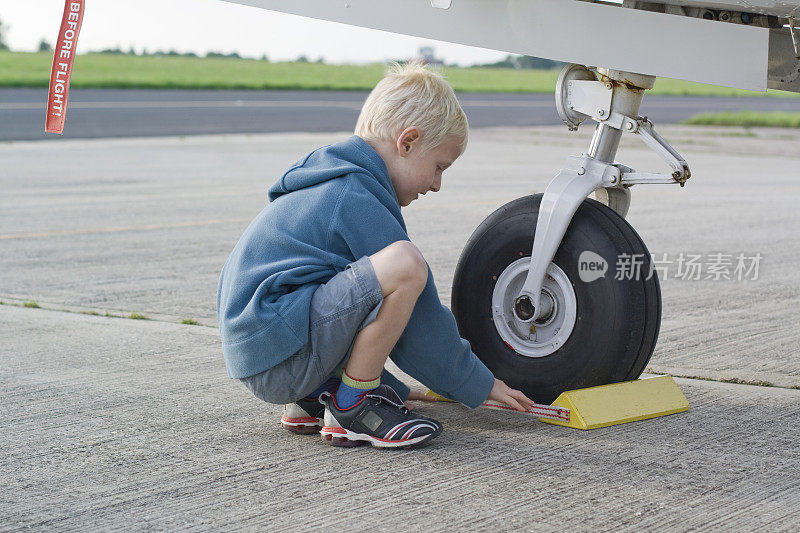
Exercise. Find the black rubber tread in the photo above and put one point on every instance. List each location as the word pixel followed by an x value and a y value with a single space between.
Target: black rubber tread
pixel 625 350
pixel 653 292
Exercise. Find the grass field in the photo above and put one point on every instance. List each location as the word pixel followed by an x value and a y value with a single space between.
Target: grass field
pixel 747 119
pixel 19 69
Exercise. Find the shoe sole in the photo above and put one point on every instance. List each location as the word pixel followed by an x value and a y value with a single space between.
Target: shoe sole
pixel 338 436
pixel 302 426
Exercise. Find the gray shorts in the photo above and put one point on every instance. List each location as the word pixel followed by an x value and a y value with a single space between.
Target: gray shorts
pixel 340 308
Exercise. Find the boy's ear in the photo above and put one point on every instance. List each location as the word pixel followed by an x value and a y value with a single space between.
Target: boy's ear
pixel 407 140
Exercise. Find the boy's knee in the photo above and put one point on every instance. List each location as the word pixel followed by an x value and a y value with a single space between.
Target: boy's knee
pixel 410 263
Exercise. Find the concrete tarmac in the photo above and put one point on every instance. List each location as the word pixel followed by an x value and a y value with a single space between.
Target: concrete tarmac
pixel 110 423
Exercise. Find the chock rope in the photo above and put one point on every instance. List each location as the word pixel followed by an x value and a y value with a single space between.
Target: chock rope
pixel 551 412
pixel 63 58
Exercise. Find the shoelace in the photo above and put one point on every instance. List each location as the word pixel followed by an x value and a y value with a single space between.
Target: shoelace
pixel 384 399
pixel 378 397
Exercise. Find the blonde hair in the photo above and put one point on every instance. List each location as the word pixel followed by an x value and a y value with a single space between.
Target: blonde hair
pixel 412 95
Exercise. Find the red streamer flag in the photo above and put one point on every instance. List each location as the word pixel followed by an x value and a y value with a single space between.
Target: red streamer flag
pixel 63 58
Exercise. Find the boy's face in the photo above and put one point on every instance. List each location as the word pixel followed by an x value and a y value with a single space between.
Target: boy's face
pixel 414 171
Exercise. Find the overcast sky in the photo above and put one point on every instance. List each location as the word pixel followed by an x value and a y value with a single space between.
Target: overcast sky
pixel 211 25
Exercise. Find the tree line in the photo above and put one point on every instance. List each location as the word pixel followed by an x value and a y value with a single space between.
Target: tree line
pixel 524 62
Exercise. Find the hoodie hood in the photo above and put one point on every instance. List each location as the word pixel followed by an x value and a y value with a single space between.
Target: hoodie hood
pixel 354 155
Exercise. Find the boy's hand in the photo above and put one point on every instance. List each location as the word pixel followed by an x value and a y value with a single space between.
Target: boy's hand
pixel 512 397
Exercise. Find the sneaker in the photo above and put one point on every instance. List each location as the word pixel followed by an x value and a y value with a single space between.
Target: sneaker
pixel 379 418
pixel 303 416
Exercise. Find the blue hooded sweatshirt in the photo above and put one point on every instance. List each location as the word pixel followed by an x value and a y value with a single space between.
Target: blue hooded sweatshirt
pixel 328 210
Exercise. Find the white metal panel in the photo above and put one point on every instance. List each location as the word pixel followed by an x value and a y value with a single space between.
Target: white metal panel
pixel 566 30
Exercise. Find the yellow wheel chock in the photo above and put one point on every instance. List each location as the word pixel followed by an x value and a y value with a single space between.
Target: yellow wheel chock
pixel 607 405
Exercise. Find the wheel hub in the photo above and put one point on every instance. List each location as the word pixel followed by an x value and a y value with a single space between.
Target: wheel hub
pixel 512 313
pixel 524 311
pixel 523 308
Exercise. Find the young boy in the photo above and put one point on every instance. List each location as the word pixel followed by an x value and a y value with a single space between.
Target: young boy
pixel 325 285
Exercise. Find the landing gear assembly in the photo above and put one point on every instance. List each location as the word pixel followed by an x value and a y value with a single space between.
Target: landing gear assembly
pixel 535 290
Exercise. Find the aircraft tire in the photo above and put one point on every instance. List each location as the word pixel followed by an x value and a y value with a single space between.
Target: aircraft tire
pixel 601 331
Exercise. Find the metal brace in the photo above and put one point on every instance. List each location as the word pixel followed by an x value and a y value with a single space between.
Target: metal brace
pixel 794 38
pixel 644 128
pixel 593 98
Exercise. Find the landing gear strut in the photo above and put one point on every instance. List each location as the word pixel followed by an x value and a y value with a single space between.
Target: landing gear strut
pixel 536 313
